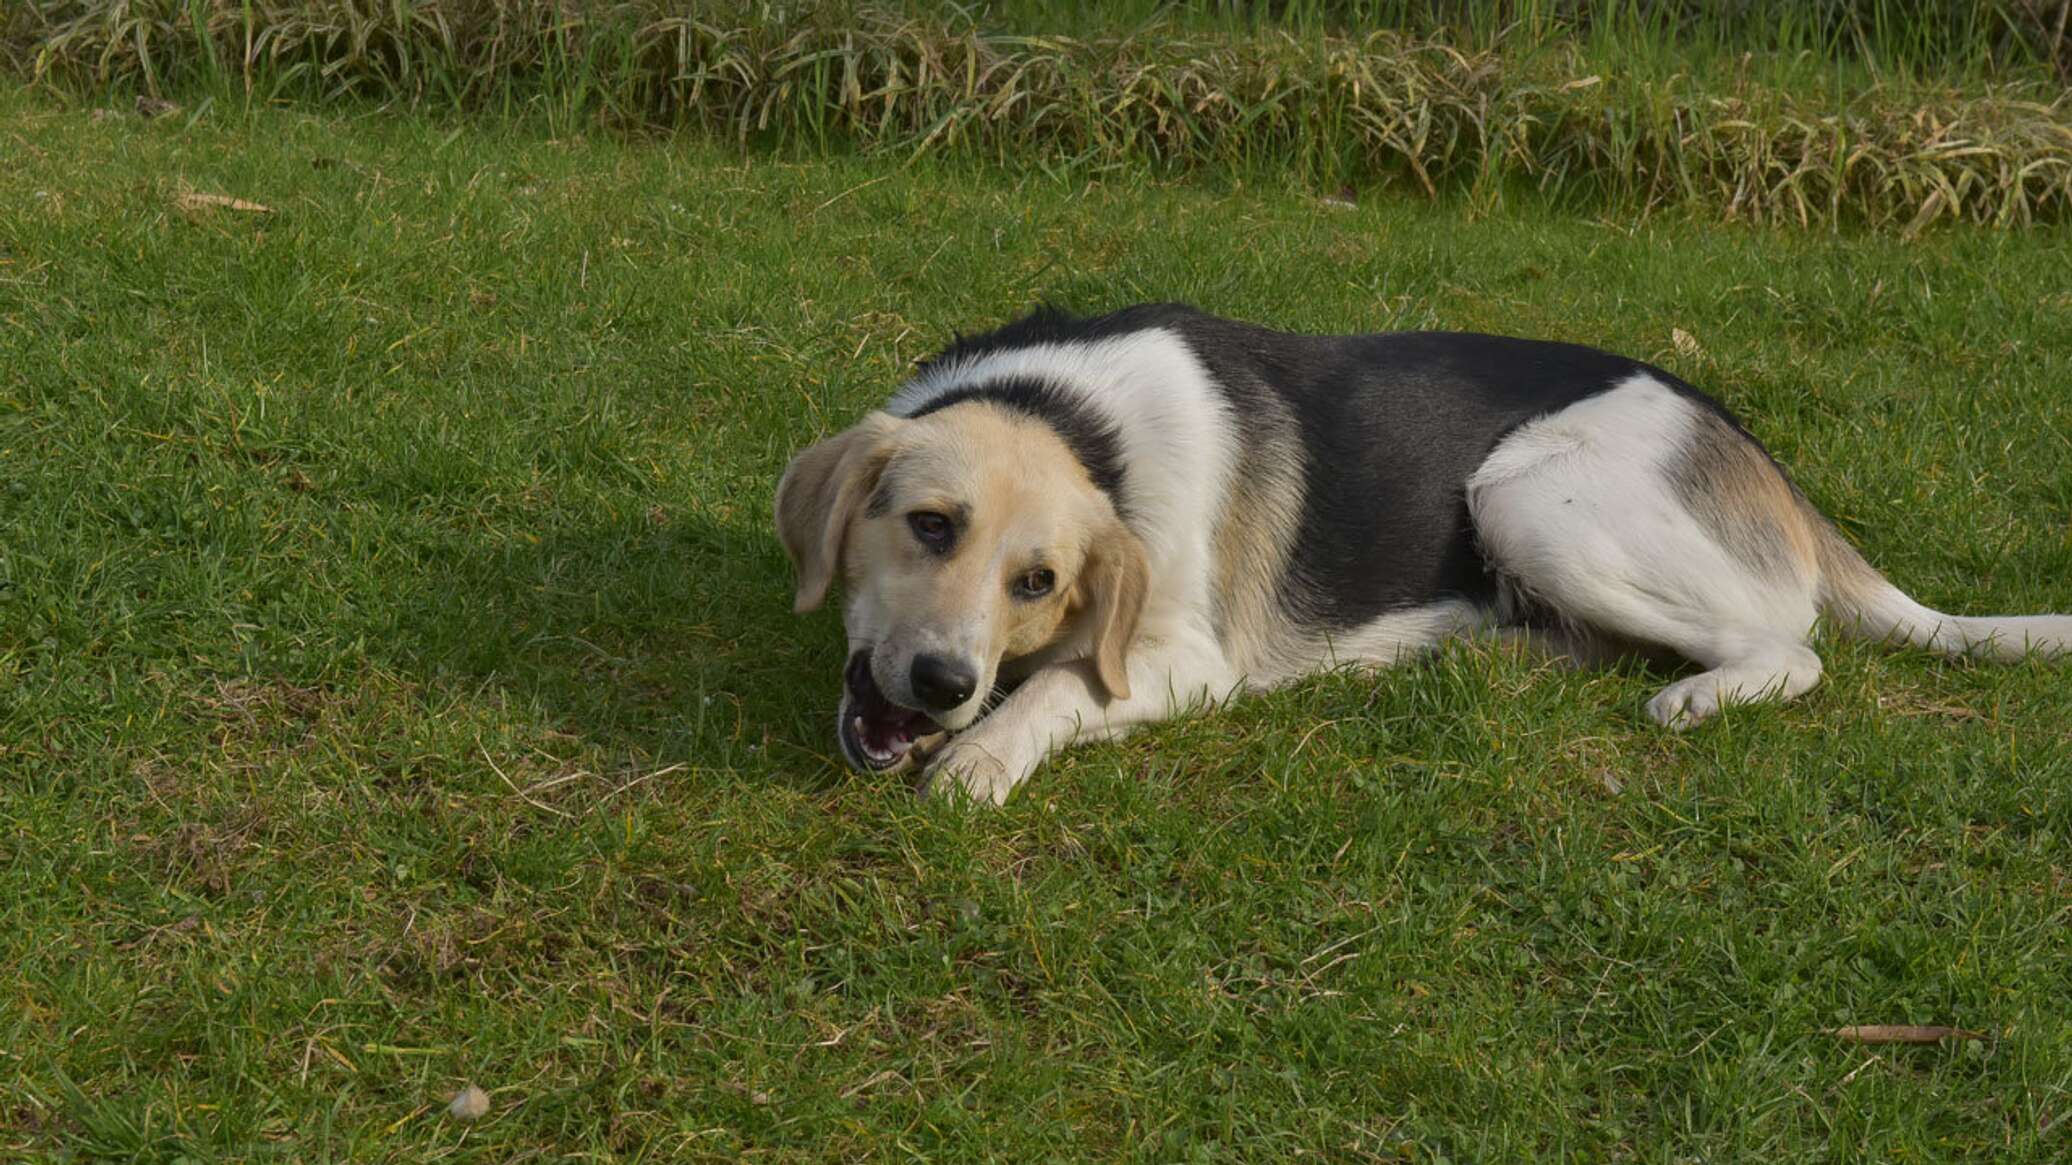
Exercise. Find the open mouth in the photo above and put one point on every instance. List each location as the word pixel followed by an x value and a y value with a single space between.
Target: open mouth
pixel 876 733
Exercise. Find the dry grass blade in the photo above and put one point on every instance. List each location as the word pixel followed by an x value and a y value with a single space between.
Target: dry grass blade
pixel 194 200
pixel 1881 1033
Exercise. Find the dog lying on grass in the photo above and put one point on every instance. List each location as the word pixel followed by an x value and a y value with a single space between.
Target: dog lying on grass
pixel 1070 527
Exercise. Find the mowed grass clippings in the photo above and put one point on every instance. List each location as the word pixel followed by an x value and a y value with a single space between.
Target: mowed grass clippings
pixel 398 693
pixel 1614 121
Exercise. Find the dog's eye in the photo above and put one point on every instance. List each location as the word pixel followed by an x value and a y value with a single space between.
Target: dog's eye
pixel 931 528
pixel 1035 584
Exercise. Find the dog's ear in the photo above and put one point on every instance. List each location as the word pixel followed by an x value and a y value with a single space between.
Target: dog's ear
pixel 819 495
pixel 1117 580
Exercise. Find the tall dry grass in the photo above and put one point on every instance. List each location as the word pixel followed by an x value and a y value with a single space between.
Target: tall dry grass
pixel 1317 106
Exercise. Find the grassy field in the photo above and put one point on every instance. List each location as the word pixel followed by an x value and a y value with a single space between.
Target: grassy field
pixel 398 690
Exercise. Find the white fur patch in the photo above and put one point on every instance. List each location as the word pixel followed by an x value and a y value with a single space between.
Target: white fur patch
pixel 1578 509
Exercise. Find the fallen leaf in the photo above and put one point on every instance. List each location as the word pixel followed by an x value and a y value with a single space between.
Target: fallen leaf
pixel 1887 1033
pixel 470 1103
pixel 1687 344
pixel 195 200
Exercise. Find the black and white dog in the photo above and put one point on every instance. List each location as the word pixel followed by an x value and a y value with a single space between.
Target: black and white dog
pixel 1121 519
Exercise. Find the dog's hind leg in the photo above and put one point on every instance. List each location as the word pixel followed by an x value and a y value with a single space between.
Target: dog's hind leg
pixel 1642 514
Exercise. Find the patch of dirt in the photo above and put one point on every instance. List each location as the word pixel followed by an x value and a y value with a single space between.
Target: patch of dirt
pixel 257 721
pixel 206 856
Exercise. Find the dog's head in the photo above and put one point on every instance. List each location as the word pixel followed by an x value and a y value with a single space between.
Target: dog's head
pixel 966 538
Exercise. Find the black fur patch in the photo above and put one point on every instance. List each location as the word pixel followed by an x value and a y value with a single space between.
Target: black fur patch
pixel 1393 426
pixel 1090 436
pixel 1390 428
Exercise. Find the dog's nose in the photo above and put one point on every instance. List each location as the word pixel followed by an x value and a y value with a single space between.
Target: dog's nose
pixel 942 683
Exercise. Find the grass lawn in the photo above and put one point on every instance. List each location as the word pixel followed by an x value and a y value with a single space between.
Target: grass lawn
pixel 398 690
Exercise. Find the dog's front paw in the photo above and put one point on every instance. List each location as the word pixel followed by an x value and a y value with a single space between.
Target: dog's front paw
pixel 969 769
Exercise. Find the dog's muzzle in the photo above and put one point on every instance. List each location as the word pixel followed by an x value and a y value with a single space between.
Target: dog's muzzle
pixel 877 734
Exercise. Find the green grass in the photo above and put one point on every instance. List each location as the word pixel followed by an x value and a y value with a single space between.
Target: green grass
pixel 397 689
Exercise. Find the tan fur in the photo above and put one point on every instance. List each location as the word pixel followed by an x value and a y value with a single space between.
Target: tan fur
pixel 1254 537
pixel 1025 501
pixel 1117 581
pixel 1847 581
pixel 818 498
pixel 1739 495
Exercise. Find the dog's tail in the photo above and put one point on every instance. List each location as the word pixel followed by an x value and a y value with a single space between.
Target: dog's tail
pixel 1865 605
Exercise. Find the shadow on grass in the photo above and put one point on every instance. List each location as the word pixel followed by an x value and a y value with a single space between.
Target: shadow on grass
pixel 662 639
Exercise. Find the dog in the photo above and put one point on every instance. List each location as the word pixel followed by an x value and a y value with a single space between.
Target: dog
pixel 1069 527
